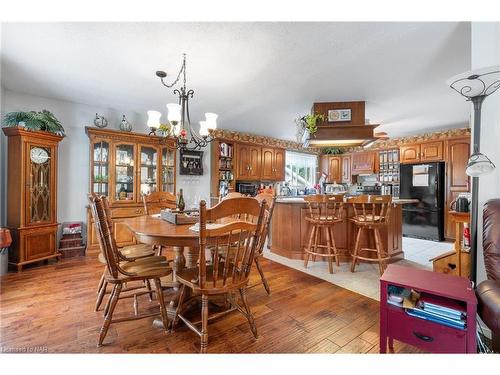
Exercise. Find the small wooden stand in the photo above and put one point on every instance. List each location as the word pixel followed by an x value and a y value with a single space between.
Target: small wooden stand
pixel 460 219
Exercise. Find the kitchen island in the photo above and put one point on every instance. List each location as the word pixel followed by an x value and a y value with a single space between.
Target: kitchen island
pixel 290 231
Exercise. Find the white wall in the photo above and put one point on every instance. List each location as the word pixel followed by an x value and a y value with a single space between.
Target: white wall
pixel 73 171
pixel 486 52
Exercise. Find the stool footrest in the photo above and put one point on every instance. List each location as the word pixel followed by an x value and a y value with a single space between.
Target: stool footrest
pixel 321 254
pixel 371 259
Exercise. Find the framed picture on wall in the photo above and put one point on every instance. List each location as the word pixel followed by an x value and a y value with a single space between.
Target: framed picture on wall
pixel 337 115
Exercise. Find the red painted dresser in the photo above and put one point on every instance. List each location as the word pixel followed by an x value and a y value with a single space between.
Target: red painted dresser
pixel 396 324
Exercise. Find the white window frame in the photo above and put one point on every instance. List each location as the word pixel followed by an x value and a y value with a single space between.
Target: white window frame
pixel 296 160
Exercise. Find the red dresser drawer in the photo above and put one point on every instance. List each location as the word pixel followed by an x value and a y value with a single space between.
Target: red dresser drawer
pixel 429 336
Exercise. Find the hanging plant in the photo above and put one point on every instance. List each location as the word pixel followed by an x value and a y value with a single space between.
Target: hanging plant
pixel 34 121
pixel 309 122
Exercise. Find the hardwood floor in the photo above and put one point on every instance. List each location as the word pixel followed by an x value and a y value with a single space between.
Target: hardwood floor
pixel 49 308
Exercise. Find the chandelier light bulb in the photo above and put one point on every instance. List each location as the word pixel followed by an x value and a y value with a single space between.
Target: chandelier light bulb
pixel 211 120
pixel 174 113
pixel 204 129
pixel 154 119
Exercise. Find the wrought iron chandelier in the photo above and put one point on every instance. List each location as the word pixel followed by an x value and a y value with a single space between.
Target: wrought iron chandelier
pixel 179 123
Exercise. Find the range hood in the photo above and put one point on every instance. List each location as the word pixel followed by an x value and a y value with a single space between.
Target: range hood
pixel 344 125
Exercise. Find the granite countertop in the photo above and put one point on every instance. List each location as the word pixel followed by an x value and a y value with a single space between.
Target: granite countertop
pixel 300 200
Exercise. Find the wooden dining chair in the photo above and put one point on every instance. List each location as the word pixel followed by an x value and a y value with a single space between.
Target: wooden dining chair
pixel 269 200
pixel 120 272
pixel 226 274
pixel 233 194
pixel 157 201
pixel 127 253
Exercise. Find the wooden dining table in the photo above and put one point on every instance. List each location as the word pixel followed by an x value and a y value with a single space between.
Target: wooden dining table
pixel 152 230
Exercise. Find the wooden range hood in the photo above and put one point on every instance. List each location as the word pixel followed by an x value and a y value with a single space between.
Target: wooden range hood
pixel 348 133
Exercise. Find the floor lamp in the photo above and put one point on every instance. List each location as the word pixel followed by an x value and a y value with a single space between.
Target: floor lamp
pixel 476 86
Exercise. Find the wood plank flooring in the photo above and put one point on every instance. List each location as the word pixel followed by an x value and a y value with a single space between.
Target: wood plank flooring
pixel 50 308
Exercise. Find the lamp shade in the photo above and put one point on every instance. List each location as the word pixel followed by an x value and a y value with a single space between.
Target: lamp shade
pixel 174 112
pixel 484 81
pixel 211 120
pixel 478 165
pixel 204 129
pixel 154 119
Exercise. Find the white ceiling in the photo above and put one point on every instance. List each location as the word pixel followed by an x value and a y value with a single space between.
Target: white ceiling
pixel 257 76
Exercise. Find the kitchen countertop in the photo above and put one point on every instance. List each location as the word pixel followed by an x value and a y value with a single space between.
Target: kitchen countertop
pixel 300 200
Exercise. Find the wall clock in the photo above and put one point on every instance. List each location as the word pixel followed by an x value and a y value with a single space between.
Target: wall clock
pixel 39 155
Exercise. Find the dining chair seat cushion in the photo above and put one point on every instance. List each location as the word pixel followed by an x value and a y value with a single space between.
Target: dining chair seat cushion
pixel 189 277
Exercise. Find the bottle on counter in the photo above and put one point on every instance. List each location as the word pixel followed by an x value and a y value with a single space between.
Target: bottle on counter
pixel 180 202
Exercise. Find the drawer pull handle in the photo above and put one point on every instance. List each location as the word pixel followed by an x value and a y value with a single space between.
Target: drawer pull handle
pixel 423 337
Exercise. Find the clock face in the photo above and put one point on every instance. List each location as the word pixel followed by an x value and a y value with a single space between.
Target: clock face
pixel 39 155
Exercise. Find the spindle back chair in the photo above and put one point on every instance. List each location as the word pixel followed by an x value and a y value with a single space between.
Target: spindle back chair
pixel 324 212
pixel 234 242
pixel 157 201
pixel 120 272
pixel 371 212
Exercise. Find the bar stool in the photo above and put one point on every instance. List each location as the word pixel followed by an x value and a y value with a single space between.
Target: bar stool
pixel 324 212
pixel 371 212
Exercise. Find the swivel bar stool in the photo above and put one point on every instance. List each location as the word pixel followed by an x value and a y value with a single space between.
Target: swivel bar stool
pixel 324 212
pixel 371 212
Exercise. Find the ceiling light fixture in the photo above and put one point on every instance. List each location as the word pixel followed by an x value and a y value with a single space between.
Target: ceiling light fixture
pixel 476 86
pixel 179 123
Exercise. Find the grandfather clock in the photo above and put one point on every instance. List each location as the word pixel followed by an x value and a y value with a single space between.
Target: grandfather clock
pixel 32 195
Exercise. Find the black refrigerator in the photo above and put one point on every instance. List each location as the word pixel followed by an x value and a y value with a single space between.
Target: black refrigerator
pixel 424 182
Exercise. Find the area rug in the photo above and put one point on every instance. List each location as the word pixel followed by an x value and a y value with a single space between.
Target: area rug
pixel 364 281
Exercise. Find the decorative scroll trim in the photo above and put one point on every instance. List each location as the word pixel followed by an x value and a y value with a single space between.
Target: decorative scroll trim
pixel 433 136
pixel 262 140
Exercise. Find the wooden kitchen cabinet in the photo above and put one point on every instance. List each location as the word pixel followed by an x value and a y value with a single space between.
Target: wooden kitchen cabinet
pixel 279 164
pixel 457 153
pixel 273 164
pixel 422 152
pixel 335 169
pixel 363 163
pixel 409 154
pixel 331 166
pixel 267 163
pixel 249 162
pixel 431 151
pixel 346 169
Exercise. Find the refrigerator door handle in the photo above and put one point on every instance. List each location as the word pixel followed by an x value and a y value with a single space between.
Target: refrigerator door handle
pixel 436 183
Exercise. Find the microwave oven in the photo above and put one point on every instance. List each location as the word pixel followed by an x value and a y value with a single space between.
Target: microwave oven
pixel 247 188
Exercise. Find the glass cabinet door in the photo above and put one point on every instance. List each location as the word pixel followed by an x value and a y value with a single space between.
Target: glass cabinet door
pixel 148 169
pixel 100 168
pixel 40 192
pixel 168 170
pixel 124 173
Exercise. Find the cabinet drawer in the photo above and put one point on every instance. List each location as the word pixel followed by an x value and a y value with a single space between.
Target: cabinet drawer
pixel 429 336
pixel 127 212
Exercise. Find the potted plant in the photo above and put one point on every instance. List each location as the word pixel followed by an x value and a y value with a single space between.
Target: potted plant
pixel 307 125
pixel 34 121
pixel 332 151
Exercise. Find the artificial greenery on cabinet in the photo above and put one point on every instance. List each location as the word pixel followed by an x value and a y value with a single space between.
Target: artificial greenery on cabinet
pixel 34 121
